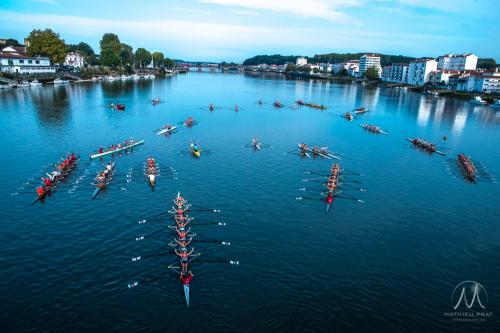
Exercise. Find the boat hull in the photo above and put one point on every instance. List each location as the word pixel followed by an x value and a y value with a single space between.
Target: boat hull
pixel 186 293
pixel 167 131
pixel 117 150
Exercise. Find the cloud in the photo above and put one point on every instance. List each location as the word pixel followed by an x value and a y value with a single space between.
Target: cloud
pixel 331 10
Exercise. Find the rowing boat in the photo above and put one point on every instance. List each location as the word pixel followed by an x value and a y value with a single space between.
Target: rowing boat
pixel 102 184
pixel 360 110
pixel 112 151
pixel 373 129
pixel 424 145
pixel 45 189
pixel 468 167
pixel 195 149
pixel 348 116
pixel 167 130
pixel 151 171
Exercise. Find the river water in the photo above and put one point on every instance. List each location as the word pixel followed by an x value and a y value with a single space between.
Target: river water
pixel 389 264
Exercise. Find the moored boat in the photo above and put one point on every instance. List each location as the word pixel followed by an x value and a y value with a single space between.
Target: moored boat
pixel 496 104
pixel 128 144
pixel 477 100
pixel 35 83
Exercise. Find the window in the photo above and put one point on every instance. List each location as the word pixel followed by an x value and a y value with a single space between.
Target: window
pixel 21 61
pixel 30 61
pixel 37 61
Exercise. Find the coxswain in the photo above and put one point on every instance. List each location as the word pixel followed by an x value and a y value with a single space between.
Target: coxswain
pixel 40 191
pixel 186 278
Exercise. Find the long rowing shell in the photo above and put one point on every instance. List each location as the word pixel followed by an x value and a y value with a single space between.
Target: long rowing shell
pixel 98 189
pixel 186 293
pixel 117 150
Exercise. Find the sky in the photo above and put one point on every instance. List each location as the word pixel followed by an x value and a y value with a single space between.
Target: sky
pixel 233 30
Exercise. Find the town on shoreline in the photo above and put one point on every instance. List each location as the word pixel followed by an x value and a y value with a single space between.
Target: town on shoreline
pixel 45 57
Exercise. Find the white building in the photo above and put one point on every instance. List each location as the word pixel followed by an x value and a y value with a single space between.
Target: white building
pixel 74 59
pixel 301 61
pixel 353 70
pixel 459 62
pixel 369 61
pixel 395 73
pixel 18 64
pixel 486 82
pixel 442 77
pixel 419 70
pixel 336 68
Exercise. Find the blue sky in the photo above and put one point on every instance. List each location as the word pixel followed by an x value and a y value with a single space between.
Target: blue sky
pixel 233 30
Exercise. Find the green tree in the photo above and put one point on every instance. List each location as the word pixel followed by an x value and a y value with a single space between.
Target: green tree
pixel 83 48
pixel 142 57
pixel 158 59
pixel 110 50
pixel 168 63
pixel 11 42
pixel 372 73
pixel 126 55
pixel 486 63
pixel 47 43
pixel 290 68
pixel 343 72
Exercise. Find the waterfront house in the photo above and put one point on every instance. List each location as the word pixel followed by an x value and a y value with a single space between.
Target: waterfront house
pixel 397 72
pixel 485 82
pixel 459 62
pixel 369 61
pixel 75 60
pixel 441 77
pixel 24 65
pixel 336 68
pixel 301 61
pixel 353 70
pixel 419 70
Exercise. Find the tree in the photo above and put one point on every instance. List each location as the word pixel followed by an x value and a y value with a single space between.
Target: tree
pixel 372 73
pixel 315 70
pixel 168 63
pixel 142 57
pixel 290 68
pixel 486 63
pixel 126 55
pixel 47 43
pixel 110 50
pixel 11 42
pixel 83 48
pixel 158 59
pixel 343 72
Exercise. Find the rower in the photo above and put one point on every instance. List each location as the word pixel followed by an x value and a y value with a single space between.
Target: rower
pixel 184 255
pixel 40 191
pixel 184 243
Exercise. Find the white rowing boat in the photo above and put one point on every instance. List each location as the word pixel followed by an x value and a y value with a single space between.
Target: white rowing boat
pixel 167 130
pixel 117 150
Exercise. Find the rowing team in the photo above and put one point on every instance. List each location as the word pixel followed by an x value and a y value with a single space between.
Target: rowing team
pixel 304 148
pixel 151 166
pixel 182 221
pixel 467 164
pixel 103 175
pixel 68 162
pixel 333 179
pixel 189 121
pixel 117 146
pixel 424 144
